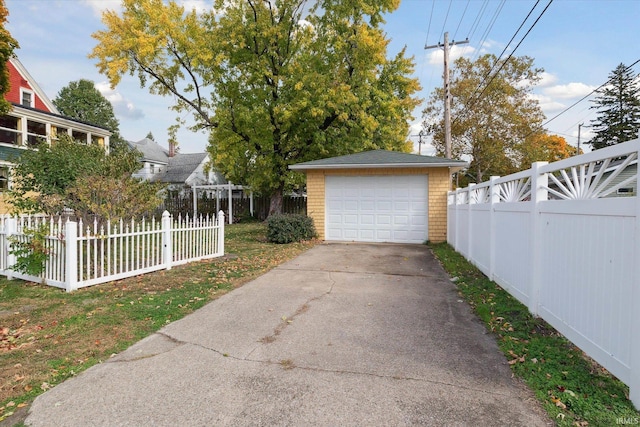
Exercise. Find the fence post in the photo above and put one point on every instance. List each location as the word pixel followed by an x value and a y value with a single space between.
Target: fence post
pixel 195 201
pixel 71 256
pixel 230 198
pixel 456 232
pixel 539 194
pixel 494 197
pixel 10 228
pixel 634 365
pixel 167 246
pixel 470 191
pixel 450 197
pixel 220 233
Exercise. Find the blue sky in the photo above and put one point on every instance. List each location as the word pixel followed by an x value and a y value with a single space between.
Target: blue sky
pixel 577 42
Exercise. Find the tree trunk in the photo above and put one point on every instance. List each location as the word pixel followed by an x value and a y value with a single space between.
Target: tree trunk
pixel 275 204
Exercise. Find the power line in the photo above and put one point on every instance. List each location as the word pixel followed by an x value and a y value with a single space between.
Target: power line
pixel 514 36
pixel 502 65
pixel 486 76
pixel 476 22
pixel 433 3
pixel 492 22
pixel 461 19
pixel 583 98
pixel 444 24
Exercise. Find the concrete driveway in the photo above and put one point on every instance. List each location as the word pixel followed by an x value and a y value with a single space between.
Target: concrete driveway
pixel 343 335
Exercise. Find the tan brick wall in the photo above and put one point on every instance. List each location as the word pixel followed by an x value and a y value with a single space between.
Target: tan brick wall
pixel 438 187
pixel 315 199
pixel 439 182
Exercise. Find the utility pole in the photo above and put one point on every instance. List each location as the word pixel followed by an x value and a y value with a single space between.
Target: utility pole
pixel 579 126
pixel 420 142
pixel 447 91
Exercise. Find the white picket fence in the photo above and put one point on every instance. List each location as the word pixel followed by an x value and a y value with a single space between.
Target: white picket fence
pixel 81 255
pixel 555 238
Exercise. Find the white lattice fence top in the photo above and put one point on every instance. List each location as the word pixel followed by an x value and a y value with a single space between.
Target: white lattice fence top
pixel 595 179
pixel 597 174
pixel 480 195
pixel 517 190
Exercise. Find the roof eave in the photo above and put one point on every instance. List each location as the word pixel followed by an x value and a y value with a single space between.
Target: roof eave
pixel 458 165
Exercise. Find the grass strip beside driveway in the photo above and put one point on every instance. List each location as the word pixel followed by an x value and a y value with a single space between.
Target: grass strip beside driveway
pixel 574 389
pixel 47 335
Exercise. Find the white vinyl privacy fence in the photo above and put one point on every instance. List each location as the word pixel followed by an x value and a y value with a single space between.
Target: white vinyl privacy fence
pixel 82 255
pixel 564 239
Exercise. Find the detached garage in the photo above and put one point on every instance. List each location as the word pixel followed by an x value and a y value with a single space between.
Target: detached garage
pixel 379 196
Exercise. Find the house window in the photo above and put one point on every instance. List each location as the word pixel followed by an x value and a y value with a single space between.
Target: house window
pixel 625 190
pixel 79 137
pixel 36 132
pixel 26 98
pixel 96 140
pixel 58 132
pixel 9 130
pixel 4 178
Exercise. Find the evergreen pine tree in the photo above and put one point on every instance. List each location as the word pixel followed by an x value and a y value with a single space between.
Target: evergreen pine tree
pixel 618 105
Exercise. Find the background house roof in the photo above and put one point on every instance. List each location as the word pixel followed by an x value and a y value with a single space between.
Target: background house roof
pixel 150 150
pixel 379 159
pixel 181 166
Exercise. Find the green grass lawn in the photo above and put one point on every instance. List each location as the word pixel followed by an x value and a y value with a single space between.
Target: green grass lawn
pixel 47 335
pixel 573 388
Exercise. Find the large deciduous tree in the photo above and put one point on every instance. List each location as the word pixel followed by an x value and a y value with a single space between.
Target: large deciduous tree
pixel 82 101
pixel 7 45
pixel 542 147
pixel 276 82
pixel 618 106
pixel 492 113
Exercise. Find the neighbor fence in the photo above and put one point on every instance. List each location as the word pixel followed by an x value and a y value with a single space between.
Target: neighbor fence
pixel 241 205
pixel 564 239
pixel 80 255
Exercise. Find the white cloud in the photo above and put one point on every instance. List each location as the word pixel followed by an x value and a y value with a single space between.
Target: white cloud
pixel 547 79
pixel 547 103
pixel 100 6
pixel 199 5
pixel 121 106
pixel 455 52
pixel 569 91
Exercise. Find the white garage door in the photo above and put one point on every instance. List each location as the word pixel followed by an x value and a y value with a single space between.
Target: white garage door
pixel 385 208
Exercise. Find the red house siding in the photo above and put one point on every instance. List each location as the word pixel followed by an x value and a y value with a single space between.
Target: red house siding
pixel 17 81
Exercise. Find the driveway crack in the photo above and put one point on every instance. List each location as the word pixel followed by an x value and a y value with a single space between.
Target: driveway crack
pixel 286 321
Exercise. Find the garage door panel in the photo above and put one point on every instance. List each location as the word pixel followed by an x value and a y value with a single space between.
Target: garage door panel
pixel 384 205
pixel 367 193
pixel 367 235
pixel 350 219
pixel 367 205
pixel 383 236
pixel 383 219
pixel 419 221
pixel 351 193
pixel 334 219
pixel 367 220
pixel 350 205
pixel 401 193
pixel 401 220
pixel 418 206
pixel 401 206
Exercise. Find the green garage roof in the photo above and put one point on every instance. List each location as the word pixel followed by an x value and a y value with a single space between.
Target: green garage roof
pixel 380 159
